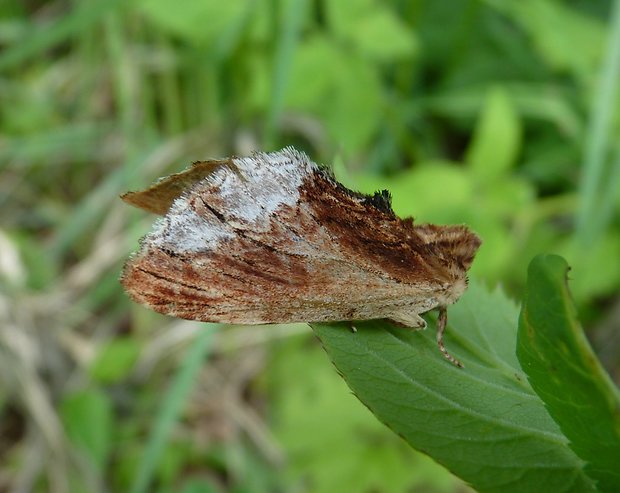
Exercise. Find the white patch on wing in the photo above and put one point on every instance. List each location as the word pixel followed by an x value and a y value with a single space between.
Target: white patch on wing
pixel 248 195
pixel 182 230
pixel 263 182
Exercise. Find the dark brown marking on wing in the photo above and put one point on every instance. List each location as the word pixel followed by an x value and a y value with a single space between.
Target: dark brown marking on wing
pixel 373 235
pixel 213 210
pixel 173 281
pixel 366 233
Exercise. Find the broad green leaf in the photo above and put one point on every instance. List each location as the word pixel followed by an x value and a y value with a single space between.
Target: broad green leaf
pixel 313 412
pixel 197 22
pixel 87 418
pixel 115 360
pixel 384 37
pixel 565 372
pixel 347 98
pixel 372 28
pixel 411 195
pixel 497 137
pixel 483 422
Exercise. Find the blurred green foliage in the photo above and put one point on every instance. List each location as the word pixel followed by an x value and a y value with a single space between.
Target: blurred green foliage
pixel 502 115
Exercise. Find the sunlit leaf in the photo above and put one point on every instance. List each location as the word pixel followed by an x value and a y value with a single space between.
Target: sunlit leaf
pixel 497 137
pixel 483 422
pixel 566 374
pixel 87 418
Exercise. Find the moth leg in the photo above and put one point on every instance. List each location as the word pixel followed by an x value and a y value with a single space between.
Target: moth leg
pixel 442 321
pixel 408 320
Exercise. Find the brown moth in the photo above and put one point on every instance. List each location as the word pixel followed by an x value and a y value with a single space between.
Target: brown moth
pixel 274 238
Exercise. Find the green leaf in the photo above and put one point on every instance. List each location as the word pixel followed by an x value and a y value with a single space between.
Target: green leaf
pixel 335 422
pixel 87 418
pixel 372 28
pixel 197 22
pixel 483 422
pixel 497 137
pixel 347 98
pixel 115 360
pixel 565 372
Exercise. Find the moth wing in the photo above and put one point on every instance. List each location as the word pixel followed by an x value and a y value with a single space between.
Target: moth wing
pixel 284 273
pixel 159 197
pixel 234 289
pixel 240 245
pixel 272 239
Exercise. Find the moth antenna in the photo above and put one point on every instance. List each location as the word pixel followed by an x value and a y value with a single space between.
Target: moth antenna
pixel 442 321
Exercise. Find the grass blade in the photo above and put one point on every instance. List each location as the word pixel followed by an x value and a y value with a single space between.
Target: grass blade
pixel 589 224
pixel 290 27
pixel 171 408
pixel 81 18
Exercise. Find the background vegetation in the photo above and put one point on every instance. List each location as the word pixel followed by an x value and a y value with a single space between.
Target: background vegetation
pixel 502 115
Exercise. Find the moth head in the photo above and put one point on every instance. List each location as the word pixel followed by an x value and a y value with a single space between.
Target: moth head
pixel 461 252
pixel 456 245
pixel 463 248
pixel 452 292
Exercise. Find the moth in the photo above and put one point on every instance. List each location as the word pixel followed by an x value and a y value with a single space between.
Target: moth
pixel 274 238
